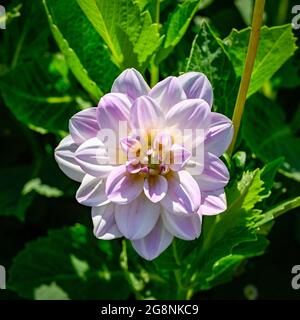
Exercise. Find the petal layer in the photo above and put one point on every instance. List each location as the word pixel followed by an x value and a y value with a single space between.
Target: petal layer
pixel 219 135
pixel 136 219
pixel 167 93
pixel 123 187
pixel 65 157
pixel 214 176
pixel 105 227
pixel 93 158
pixel 154 243
pixel 155 188
pixel 197 86
pixel 186 227
pixel 145 114
pixel 189 114
pixel 112 109
pixel 131 83
pixel 183 196
pixel 213 202
pixel 92 192
pixel 83 125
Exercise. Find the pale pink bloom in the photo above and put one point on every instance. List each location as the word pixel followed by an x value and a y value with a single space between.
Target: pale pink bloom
pixel 156 190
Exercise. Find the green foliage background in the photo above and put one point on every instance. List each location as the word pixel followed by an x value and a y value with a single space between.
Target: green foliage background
pixel 59 57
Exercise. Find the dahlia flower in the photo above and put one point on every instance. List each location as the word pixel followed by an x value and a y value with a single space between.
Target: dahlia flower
pixel 143 177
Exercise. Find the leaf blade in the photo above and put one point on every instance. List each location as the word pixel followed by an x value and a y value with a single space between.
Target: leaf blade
pixel 176 26
pixel 270 56
pixel 209 57
pixel 78 264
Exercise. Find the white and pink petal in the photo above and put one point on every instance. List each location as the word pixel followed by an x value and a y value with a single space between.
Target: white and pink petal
pixel 146 114
pixel 219 135
pixel 131 83
pixel 157 241
pixel 65 158
pixel 113 109
pixel 123 187
pixel 197 86
pixel 183 196
pixel 167 93
pixel 215 174
pixel 185 227
pixel 91 192
pixel 136 219
pixel 189 114
pixel 93 158
pixel 155 187
pixel 84 125
pixel 213 202
pixel 105 227
pixel 179 157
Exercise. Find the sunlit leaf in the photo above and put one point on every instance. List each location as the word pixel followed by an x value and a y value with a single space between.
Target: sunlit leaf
pixel 129 33
pixel 276 46
pixel 85 51
pixel 209 57
pixel 31 93
pixel 177 25
pixel 74 260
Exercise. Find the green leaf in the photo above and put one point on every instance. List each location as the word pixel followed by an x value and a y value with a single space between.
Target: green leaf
pixel 176 26
pixel 42 189
pixel 224 269
pixel 104 20
pixel 226 240
pixel 86 53
pixel 205 3
pixel 129 33
pixel 22 40
pixel 209 57
pixel 279 209
pixel 50 292
pixel 51 181
pixel 13 200
pixel 268 174
pixel 276 46
pixel 231 237
pixel 36 94
pixel 245 8
pixel 269 136
pixel 144 3
pixel 73 263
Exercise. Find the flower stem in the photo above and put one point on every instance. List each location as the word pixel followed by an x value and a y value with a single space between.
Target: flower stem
pixel 154 72
pixel 182 292
pixel 249 64
pixel 283 8
pixel 154 69
pixel 124 266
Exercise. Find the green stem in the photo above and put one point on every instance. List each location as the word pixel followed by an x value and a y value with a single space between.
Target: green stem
pixel 154 73
pixel 174 247
pixel 124 266
pixel 282 12
pixel 19 46
pixel 182 291
pixel 156 15
pixel 154 69
pixel 249 64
